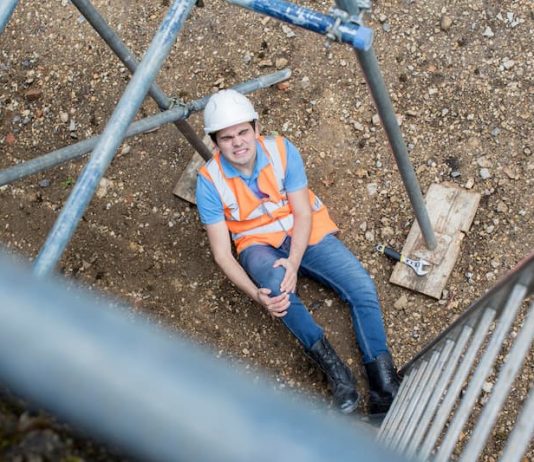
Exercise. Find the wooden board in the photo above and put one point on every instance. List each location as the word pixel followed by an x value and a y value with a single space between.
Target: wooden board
pixel 186 185
pixel 451 211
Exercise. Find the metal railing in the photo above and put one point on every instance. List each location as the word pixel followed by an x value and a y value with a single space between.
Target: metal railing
pixel 151 393
pixel 442 384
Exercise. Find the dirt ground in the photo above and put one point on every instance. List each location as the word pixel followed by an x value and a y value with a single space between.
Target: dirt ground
pixel 460 74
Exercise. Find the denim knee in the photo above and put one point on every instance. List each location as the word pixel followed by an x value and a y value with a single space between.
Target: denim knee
pixel 263 274
pixel 271 279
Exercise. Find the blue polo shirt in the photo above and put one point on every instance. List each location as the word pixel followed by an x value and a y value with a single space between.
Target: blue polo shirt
pixel 210 206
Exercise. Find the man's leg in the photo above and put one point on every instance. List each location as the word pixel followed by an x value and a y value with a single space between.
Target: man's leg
pixel 258 263
pixel 331 263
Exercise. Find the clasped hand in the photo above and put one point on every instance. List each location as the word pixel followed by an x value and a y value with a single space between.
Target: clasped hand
pixel 277 306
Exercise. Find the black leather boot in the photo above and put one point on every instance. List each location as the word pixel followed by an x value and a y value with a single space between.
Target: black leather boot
pixel 339 376
pixel 384 383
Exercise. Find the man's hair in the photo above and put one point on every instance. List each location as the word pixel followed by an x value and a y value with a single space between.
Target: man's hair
pixel 213 135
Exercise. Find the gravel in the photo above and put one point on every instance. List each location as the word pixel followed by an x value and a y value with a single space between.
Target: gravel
pixel 460 79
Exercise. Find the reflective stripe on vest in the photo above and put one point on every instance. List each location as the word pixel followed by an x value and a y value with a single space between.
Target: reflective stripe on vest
pixel 281 224
pixel 227 195
pixel 270 145
pixel 252 220
pixel 265 207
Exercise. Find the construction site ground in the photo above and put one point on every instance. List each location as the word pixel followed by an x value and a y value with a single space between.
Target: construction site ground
pixel 460 75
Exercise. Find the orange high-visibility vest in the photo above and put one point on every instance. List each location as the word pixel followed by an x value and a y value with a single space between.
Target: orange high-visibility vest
pixel 267 221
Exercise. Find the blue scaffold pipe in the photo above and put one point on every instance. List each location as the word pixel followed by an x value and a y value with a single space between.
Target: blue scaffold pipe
pixel 75 151
pixel 112 137
pixel 6 10
pixel 360 37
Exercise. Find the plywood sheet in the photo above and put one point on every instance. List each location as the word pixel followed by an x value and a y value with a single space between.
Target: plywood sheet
pixel 451 211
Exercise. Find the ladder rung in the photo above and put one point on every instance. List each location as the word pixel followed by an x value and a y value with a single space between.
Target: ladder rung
pixel 398 403
pixel 399 441
pixel 396 426
pixel 464 367
pixel 522 433
pixel 438 391
pixel 506 378
pixel 437 371
pixel 481 372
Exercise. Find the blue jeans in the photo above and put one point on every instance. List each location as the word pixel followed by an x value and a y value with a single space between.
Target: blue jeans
pixel 333 265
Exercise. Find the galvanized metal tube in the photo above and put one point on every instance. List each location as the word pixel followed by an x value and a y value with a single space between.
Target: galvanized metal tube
pixel 397 404
pixel 438 390
pixel 112 137
pixel 6 10
pixel 461 374
pixel 523 431
pixel 414 401
pixel 509 371
pixel 481 373
pixel 371 70
pixel 360 37
pixel 246 87
pixel 428 388
pixel 373 76
pixel 77 150
pixel 127 57
pixel 397 419
pixel 155 395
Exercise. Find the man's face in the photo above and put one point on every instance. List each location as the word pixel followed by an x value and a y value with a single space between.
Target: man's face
pixel 238 145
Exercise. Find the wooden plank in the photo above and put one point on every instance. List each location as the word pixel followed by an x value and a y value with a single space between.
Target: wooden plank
pixel 451 211
pixel 186 185
pixel 456 207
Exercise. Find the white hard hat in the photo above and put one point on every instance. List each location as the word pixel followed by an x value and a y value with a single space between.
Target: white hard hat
pixel 226 108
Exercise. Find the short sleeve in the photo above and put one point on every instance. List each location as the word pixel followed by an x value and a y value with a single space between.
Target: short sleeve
pixel 209 204
pixel 295 171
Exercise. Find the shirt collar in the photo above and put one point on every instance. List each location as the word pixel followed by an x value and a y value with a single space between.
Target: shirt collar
pixel 261 161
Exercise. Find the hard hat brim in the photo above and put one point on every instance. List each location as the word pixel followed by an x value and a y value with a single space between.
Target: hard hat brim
pixel 215 128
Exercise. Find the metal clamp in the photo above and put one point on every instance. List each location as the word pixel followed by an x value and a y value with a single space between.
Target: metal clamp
pixel 342 17
pixel 174 101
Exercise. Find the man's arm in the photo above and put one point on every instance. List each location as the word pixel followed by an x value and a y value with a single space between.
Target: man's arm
pixel 302 216
pixel 221 249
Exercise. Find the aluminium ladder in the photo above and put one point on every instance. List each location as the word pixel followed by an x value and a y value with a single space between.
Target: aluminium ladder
pixel 436 410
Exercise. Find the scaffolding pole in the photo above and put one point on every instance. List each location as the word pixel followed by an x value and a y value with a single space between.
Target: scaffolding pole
pixel 75 151
pixel 112 137
pixel 386 112
pixel 6 10
pixel 128 59
pixel 377 87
